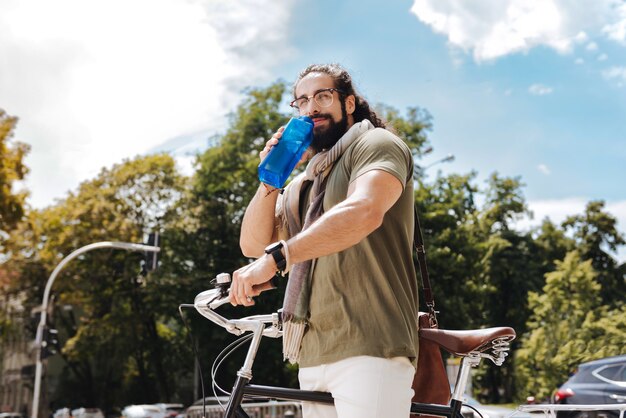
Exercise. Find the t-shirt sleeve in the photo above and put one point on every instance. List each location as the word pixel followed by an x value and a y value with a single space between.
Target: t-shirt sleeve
pixel 381 150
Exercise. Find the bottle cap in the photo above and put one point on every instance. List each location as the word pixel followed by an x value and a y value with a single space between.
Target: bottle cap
pixel 306 119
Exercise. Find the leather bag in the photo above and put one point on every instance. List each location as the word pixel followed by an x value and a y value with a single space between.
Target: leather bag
pixel 430 382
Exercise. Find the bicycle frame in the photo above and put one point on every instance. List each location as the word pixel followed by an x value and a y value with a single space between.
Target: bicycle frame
pixel 207 301
pixel 241 388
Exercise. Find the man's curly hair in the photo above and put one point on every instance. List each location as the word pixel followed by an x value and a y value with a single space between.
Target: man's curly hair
pixel 343 82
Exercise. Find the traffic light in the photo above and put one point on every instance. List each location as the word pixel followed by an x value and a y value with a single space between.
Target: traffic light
pixel 151 260
pixel 49 342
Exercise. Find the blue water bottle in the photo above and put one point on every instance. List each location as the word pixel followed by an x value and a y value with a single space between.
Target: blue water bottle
pixel 283 157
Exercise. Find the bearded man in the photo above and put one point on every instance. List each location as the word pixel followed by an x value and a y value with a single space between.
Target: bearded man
pixel 343 230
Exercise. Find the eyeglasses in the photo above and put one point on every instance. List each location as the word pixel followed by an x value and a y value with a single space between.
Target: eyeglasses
pixel 323 98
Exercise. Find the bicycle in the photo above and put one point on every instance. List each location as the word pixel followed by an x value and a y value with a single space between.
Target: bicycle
pixel 471 345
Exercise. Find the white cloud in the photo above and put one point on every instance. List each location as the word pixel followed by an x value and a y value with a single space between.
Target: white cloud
pixel 616 29
pixel 540 90
pixel 554 209
pixel 95 82
pixel 581 37
pixel 603 57
pixel 618 209
pixel 579 61
pixel 544 169
pixel 592 46
pixel 495 28
pixel 615 73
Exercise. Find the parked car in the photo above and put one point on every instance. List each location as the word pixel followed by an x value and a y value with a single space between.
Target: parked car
pixel 487 411
pixel 11 415
pixel 143 411
pixel 171 410
pixel 87 413
pixel 62 413
pixel 253 407
pixel 595 382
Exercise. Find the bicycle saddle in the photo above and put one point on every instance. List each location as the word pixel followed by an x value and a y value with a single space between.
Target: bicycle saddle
pixel 463 343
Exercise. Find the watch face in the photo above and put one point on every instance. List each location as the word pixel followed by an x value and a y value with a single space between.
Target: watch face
pixel 273 247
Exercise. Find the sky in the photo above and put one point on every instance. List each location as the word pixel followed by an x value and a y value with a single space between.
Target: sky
pixel 528 88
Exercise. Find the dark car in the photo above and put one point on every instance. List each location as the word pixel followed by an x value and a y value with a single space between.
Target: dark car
pixel 594 383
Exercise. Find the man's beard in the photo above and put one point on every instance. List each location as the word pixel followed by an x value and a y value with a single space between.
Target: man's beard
pixel 331 134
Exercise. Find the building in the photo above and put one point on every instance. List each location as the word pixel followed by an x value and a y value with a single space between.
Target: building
pixel 16 354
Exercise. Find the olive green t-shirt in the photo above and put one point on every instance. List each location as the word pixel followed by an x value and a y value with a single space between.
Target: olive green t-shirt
pixel 364 299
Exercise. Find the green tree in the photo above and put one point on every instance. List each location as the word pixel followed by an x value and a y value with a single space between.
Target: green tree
pixel 507 268
pixel 12 169
pixel 569 325
pixel 12 202
pixel 412 126
pixel 553 244
pixel 504 203
pixel 125 345
pixel 224 183
pixel 510 264
pixel 596 233
pixel 447 212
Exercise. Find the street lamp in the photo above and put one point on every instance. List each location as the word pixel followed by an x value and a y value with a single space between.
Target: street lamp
pixel 46 296
pixel 447 159
pixel 420 171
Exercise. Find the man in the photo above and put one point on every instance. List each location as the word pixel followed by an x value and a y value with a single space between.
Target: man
pixel 346 229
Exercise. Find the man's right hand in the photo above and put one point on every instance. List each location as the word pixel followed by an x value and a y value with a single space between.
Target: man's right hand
pixel 251 280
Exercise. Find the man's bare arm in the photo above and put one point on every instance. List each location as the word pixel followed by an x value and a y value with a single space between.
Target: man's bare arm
pixel 369 197
pixel 258 227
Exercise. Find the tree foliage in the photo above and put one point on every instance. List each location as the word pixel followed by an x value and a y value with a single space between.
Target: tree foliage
pixel 569 325
pixel 595 233
pixel 12 170
pixel 122 346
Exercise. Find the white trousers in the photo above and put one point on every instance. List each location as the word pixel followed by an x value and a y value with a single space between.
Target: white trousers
pixel 363 387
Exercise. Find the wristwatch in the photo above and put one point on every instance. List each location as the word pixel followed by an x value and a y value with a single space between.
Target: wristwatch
pixel 275 250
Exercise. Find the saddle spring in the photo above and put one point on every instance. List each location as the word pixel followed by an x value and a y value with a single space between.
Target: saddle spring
pixel 498 351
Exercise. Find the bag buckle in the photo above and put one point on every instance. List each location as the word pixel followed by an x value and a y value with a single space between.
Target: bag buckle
pixel 432 315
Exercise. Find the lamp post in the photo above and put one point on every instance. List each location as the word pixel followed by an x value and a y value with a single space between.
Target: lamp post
pixel 46 296
pixel 447 159
pixel 420 171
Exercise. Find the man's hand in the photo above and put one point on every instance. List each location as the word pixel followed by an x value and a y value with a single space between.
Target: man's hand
pixel 274 140
pixel 251 280
pixel 271 142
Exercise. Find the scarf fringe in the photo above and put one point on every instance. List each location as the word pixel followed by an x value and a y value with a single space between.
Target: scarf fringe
pixel 293 332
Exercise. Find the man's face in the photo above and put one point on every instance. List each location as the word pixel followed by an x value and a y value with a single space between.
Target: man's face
pixel 330 122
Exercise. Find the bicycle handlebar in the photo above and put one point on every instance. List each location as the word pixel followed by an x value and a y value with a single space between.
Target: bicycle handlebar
pixel 208 301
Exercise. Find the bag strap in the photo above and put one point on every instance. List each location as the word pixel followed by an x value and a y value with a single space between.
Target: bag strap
pixel 418 241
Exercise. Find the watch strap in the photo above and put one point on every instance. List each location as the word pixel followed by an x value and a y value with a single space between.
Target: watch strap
pixel 277 255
